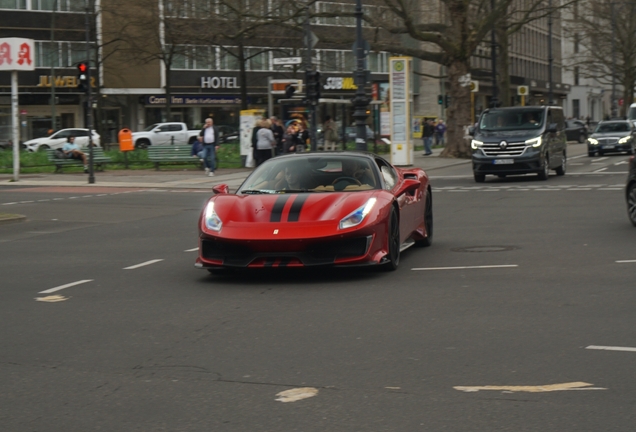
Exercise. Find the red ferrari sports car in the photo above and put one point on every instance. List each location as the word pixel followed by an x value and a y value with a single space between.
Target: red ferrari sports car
pixel 299 210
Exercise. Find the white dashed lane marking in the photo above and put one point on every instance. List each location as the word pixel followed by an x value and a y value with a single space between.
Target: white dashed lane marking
pixel 465 267
pixel 143 264
pixel 192 250
pixel 61 287
pixel 610 348
pixel 626 261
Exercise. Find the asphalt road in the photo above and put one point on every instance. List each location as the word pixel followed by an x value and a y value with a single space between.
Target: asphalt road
pixel 487 330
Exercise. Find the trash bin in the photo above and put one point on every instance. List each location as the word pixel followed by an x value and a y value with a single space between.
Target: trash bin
pixel 125 140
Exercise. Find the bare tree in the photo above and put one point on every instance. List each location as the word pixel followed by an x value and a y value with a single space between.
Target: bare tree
pixel 148 30
pixel 605 37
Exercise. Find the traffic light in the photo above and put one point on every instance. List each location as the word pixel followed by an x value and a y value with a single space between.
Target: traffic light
pixel 82 77
pixel 440 99
pixel 289 91
pixel 447 101
pixel 313 85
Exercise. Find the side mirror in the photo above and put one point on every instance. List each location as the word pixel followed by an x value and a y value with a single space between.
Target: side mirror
pixel 408 185
pixel 221 189
pixel 471 131
pixel 156 131
pixel 552 128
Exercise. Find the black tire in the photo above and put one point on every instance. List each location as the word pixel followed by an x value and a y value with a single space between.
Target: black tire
pixel 393 242
pixel 142 144
pixel 501 175
pixel 43 148
pixel 600 153
pixel 631 203
pixel 428 222
pixel 591 154
pixel 191 140
pixel 582 138
pixel 545 169
pixel 480 178
pixel 563 167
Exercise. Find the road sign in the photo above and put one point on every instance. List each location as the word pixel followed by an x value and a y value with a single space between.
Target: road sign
pixel 311 41
pixel 474 86
pixel 523 90
pixel 279 85
pixel 288 61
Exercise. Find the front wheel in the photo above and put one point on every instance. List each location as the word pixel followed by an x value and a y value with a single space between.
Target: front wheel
pixel 562 168
pixel 480 178
pixel 428 222
pixel 43 148
pixel 545 169
pixel 631 203
pixel 142 144
pixel 394 242
pixel 582 138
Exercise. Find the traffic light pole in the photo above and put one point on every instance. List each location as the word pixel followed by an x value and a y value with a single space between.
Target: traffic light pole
pixel 360 101
pixel 89 105
pixel 309 85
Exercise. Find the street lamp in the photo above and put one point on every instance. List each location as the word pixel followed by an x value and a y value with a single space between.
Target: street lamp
pixel 550 58
pixel 360 101
pixel 494 102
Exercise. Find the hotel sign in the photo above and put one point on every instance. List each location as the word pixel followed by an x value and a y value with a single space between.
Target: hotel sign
pixel 219 82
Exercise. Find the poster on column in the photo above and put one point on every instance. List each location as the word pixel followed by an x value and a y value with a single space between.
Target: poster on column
pixel 248 121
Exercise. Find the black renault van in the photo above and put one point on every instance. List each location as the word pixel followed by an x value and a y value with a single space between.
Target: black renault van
pixel 519 140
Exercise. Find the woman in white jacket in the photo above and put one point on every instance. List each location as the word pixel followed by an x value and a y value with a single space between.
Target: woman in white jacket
pixel 265 142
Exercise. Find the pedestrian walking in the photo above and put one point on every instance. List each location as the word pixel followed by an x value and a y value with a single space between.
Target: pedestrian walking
pixel 265 142
pixel 330 134
pixel 440 129
pixel 278 131
pixel 210 138
pixel 427 136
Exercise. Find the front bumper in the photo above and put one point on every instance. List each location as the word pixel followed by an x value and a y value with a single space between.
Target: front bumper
pixel 610 147
pixel 530 161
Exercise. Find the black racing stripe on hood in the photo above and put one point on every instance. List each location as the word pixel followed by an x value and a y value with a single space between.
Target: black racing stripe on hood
pixel 297 205
pixel 277 210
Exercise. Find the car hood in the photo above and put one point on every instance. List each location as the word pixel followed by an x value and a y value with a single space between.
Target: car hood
pixel 291 215
pixel 506 135
pixel 609 134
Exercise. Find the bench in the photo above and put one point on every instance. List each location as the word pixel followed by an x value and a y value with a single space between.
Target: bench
pixel 178 153
pixel 99 159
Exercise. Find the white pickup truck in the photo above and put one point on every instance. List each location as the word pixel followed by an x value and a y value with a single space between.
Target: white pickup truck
pixel 164 134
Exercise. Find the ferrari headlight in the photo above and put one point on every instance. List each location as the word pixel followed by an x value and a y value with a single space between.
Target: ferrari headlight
pixel 212 220
pixel 476 144
pixel 534 142
pixel 624 140
pixel 592 141
pixel 357 216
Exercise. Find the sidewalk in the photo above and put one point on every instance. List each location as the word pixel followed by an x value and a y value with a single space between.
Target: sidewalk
pixel 182 179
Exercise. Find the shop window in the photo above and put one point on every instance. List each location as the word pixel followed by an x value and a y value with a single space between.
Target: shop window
pixel 13 4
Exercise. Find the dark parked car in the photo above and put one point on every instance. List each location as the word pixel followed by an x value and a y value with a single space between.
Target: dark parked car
pixel 351 133
pixel 228 133
pixel 630 191
pixel 576 130
pixel 612 136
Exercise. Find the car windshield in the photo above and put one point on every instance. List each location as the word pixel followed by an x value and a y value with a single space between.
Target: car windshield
pixel 151 127
pixel 296 174
pixel 612 127
pixel 511 120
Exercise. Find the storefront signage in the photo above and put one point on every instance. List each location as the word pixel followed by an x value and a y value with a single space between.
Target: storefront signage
pixel 193 100
pixel 219 82
pixel 339 83
pixel 16 54
pixel 61 81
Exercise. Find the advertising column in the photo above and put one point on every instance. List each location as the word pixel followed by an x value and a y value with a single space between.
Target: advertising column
pixel 400 110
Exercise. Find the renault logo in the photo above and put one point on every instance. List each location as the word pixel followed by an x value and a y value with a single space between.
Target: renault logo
pixel 503 145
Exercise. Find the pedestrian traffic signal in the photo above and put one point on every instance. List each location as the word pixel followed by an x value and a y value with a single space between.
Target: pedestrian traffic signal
pixel 313 85
pixel 289 91
pixel 82 77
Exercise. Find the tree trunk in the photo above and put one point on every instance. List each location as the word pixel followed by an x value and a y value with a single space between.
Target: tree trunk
pixel 458 113
pixel 168 117
pixel 242 75
pixel 503 64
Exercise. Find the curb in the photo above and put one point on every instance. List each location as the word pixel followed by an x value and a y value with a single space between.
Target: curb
pixel 7 218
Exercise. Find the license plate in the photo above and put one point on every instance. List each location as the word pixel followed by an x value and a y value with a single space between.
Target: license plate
pixel 503 161
pixel 608 146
